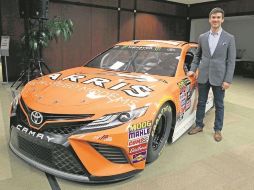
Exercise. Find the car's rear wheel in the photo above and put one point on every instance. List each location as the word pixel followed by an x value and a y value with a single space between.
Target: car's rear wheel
pixel 160 133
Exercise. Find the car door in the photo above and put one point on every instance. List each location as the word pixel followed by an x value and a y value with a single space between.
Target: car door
pixel 188 88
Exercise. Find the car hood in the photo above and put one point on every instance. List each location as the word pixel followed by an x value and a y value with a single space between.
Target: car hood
pixel 85 89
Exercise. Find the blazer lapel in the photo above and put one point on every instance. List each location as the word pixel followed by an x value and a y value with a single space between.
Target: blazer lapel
pixel 207 42
pixel 219 42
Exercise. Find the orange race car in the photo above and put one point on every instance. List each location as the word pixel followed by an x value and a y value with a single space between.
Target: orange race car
pixel 104 121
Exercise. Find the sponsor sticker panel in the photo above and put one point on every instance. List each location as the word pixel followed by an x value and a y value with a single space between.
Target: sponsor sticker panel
pixel 138 138
pixel 185 96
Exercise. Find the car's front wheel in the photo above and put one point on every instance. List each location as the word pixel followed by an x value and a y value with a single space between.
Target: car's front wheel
pixel 159 133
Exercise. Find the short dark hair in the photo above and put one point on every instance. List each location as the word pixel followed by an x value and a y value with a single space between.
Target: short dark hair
pixel 216 10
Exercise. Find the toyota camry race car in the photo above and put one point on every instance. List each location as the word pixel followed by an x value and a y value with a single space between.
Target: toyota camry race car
pixel 104 121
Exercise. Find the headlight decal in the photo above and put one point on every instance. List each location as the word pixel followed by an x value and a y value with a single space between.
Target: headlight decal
pixel 112 120
pixel 104 120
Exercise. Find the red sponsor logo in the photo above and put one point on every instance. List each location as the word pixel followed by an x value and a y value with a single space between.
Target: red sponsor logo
pixel 138 141
pixel 138 148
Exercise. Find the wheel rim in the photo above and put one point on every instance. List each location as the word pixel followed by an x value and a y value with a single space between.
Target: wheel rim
pixel 159 132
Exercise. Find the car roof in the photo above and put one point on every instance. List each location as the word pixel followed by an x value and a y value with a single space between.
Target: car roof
pixel 155 43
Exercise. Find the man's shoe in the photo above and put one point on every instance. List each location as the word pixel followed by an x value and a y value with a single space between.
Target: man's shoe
pixel 195 130
pixel 217 136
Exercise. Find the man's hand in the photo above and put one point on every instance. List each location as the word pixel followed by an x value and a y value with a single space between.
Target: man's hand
pixel 190 74
pixel 225 85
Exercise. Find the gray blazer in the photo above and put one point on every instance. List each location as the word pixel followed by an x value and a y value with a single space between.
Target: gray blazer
pixel 219 67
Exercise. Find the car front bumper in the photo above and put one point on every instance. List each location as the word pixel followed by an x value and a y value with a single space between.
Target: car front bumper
pixel 57 159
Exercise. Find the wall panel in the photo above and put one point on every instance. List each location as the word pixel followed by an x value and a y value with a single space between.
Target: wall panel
pixel 111 3
pixel 159 7
pixel 126 25
pixel 106 3
pixel 231 8
pixel 12 25
pixel 77 50
pixel 94 31
pixel 150 26
pixel 127 4
pixel 104 29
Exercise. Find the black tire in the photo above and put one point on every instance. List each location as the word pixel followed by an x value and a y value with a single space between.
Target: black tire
pixel 159 133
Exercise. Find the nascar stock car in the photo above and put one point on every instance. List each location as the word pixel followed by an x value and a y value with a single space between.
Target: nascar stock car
pixel 104 121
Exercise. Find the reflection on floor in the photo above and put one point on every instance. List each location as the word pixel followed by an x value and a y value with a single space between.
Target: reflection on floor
pixel 193 162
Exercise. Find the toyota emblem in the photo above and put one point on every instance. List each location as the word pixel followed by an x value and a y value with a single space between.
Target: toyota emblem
pixel 36 117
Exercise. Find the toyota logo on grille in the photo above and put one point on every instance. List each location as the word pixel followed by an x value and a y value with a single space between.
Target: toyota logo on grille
pixel 36 117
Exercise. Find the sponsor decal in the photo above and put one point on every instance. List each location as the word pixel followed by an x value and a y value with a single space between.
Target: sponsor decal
pixel 106 138
pixel 34 134
pixel 73 78
pixel 138 148
pixel 138 141
pixel 149 48
pixel 183 83
pixel 182 99
pixel 139 133
pixel 139 157
pixel 139 78
pixel 188 104
pixel 54 76
pixel 90 91
pixel 139 91
pixel 118 86
pixel 139 126
pixel 185 94
pixel 140 48
pixel 97 82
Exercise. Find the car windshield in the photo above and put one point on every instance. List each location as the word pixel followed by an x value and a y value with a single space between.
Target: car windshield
pixel 140 59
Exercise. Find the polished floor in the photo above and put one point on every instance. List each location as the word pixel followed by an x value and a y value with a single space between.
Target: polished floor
pixel 192 163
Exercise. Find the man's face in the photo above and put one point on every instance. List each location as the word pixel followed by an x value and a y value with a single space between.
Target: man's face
pixel 216 20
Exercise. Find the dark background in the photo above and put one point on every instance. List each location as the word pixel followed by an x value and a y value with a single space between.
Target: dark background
pixel 99 24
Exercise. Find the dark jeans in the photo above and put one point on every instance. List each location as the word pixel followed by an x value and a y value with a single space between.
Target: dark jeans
pixel 219 94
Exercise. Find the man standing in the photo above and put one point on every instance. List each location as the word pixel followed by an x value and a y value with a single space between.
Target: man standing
pixel 215 58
